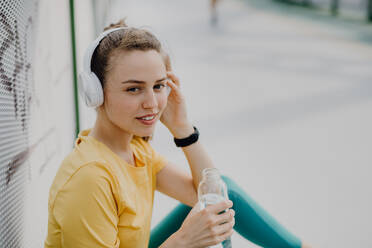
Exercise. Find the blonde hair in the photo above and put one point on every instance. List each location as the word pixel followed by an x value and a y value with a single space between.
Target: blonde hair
pixel 128 39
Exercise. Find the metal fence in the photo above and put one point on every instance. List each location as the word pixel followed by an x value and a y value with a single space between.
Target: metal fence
pixel 37 120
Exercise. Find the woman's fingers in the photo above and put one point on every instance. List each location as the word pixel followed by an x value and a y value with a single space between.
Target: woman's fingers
pixel 225 227
pixel 172 85
pixel 228 216
pixel 175 92
pixel 174 78
pixel 210 225
pixel 214 240
pixel 219 207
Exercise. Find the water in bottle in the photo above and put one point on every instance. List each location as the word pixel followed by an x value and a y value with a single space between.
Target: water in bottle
pixel 212 189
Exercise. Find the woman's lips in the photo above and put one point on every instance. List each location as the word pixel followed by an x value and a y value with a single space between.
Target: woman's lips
pixel 147 120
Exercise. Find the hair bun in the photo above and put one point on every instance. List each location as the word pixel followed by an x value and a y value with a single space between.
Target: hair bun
pixel 119 24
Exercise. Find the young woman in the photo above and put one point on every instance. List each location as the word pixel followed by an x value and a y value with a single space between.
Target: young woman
pixel 102 195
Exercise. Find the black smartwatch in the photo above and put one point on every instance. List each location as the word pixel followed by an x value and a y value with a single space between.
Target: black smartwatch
pixel 188 140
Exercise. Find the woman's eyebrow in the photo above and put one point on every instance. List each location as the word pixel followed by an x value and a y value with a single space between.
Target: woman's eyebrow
pixel 142 82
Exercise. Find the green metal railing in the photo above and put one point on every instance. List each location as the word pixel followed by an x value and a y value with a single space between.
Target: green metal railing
pixel 334 6
pixel 74 65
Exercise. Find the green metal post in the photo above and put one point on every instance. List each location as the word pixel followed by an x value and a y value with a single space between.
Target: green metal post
pixel 74 65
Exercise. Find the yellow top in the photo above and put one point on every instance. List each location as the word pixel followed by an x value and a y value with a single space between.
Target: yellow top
pixel 99 200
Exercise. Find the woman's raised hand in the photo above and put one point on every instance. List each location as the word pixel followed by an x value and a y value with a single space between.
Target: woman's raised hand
pixel 203 228
pixel 174 116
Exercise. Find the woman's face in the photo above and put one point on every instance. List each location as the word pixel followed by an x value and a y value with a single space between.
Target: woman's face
pixel 135 91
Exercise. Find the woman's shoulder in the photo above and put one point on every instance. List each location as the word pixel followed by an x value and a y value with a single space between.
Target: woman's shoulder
pixel 86 173
pixel 76 162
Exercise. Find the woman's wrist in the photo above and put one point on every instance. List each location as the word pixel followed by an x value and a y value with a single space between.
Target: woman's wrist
pixel 174 241
pixel 182 131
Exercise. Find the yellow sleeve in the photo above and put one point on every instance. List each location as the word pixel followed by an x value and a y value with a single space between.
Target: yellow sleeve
pixel 159 162
pixel 86 209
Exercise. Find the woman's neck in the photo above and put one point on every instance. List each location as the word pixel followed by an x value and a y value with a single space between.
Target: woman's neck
pixel 112 136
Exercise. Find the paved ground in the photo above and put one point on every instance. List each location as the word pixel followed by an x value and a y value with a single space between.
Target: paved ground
pixel 283 99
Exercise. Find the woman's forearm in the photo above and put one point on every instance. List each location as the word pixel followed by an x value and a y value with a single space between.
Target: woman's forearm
pixel 195 153
pixel 198 160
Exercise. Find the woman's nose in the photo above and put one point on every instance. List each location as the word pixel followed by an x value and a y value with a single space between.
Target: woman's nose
pixel 150 100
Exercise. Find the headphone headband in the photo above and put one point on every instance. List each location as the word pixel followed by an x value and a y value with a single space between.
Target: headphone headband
pixel 92 47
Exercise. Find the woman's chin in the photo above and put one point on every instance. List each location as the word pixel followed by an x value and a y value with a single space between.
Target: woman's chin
pixel 144 129
pixel 145 133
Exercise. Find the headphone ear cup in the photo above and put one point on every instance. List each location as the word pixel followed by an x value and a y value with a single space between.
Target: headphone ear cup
pixel 91 89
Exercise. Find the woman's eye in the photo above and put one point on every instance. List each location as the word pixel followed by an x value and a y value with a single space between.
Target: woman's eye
pixel 159 86
pixel 133 89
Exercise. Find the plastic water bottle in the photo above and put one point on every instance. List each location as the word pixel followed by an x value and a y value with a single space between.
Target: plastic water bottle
pixel 212 189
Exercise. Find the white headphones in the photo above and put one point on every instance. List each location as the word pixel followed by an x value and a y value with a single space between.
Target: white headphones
pixel 90 87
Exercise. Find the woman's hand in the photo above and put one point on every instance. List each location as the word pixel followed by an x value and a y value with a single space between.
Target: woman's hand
pixel 174 116
pixel 203 228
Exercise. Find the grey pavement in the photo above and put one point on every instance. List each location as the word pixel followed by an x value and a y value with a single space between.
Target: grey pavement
pixel 283 100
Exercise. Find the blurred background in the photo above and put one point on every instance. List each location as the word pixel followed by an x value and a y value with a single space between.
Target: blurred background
pixel 281 92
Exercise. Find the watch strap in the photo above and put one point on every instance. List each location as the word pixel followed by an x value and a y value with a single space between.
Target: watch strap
pixel 188 140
